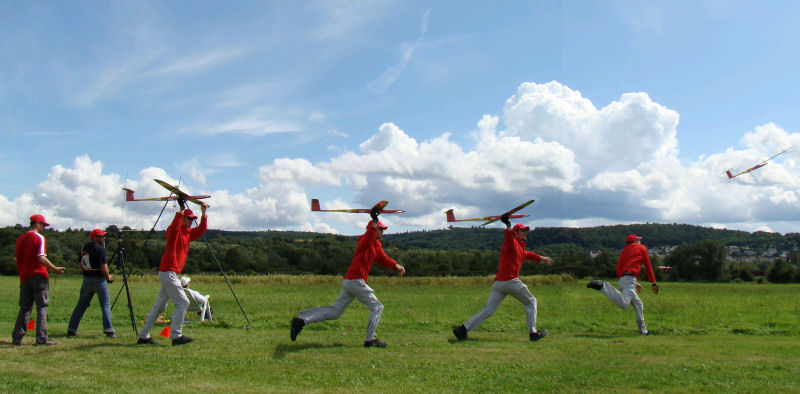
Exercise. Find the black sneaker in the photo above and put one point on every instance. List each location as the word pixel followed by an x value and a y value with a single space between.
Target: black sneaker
pixel 46 343
pixel 72 333
pixel 181 340
pixel 112 334
pixel 460 332
pixel 535 336
pixel 297 326
pixel 595 284
pixel 147 341
pixel 375 342
pixel 16 342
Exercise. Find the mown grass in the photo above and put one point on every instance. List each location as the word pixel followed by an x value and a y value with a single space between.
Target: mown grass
pixel 708 337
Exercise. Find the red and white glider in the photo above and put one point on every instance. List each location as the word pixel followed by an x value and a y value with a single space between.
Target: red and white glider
pixel 755 167
pixel 451 217
pixel 176 194
pixel 315 208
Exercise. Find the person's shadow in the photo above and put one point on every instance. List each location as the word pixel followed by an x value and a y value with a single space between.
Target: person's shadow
pixel 281 350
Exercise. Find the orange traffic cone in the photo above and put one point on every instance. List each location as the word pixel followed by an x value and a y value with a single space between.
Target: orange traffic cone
pixel 31 324
pixel 164 332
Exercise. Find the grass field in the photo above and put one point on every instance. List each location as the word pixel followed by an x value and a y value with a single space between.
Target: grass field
pixel 708 337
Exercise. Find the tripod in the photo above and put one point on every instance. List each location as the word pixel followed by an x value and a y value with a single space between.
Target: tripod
pixel 152 230
pixel 121 263
pixel 247 327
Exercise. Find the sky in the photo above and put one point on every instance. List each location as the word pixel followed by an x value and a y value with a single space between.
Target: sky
pixel 605 112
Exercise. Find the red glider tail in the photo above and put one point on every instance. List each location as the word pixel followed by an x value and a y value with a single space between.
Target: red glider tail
pixel 315 204
pixel 451 217
pixel 729 174
pixel 129 195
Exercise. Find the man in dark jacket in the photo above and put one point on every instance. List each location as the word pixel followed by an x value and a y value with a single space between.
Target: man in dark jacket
pixel 94 266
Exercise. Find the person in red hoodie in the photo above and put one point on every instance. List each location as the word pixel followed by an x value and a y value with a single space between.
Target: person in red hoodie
pixel 179 234
pixel 354 285
pixel 507 282
pixel 628 267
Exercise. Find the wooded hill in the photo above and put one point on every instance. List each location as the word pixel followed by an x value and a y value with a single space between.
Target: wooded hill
pixel 454 251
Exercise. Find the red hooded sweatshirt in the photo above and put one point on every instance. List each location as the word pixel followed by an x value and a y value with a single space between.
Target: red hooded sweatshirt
pixel 631 259
pixel 368 251
pixel 178 238
pixel 512 254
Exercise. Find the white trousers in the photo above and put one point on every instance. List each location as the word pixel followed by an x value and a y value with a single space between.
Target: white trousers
pixel 500 289
pixel 628 295
pixel 351 289
pixel 170 290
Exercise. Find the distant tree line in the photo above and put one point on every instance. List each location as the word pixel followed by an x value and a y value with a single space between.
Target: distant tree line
pixel 701 253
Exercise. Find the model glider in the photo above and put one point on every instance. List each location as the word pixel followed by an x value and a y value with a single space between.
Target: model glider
pixel 176 194
pixel 451 217
pixel 379 206
pixel 757 166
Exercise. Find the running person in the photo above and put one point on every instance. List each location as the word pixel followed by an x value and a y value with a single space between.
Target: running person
pixel 507 282
pixel 354 285
pixel 628 267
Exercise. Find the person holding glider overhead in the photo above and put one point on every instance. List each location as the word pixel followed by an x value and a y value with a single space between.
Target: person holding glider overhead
pixel 179 234
pixel 507 282
pixel 628 266
pixel 354 284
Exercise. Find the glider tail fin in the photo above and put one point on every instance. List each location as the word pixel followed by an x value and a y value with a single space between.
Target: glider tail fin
pixel 314 204
pixel 129 195
pixel 729 174
pixel 451 217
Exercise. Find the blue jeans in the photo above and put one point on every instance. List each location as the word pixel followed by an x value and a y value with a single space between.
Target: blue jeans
pixel 90 286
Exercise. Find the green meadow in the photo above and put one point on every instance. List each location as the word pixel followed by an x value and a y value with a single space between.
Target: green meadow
pixel 707 337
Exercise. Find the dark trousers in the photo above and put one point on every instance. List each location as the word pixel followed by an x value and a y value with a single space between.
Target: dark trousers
pixel 34 290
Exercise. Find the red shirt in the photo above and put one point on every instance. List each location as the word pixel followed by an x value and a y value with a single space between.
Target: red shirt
pixel 368 251
pixel 512 254
pixel 29 247
pixel 631 259
pixel 178 238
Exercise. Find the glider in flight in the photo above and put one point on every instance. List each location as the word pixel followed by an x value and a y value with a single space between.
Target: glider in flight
pixel 176 194
pixel 451 217
pixel 379 206
pixel 755 167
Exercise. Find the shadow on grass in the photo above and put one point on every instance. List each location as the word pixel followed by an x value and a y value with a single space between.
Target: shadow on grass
pixel 612 335
pixel 281 350
pixel 454 341
pixel 65 345
pixel 599 335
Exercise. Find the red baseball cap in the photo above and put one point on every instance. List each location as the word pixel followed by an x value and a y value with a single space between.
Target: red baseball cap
pixel 632 238
pixel 96 232
pixel 40 219
pixel 520 226
pixel 380 225
pixel 189 214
